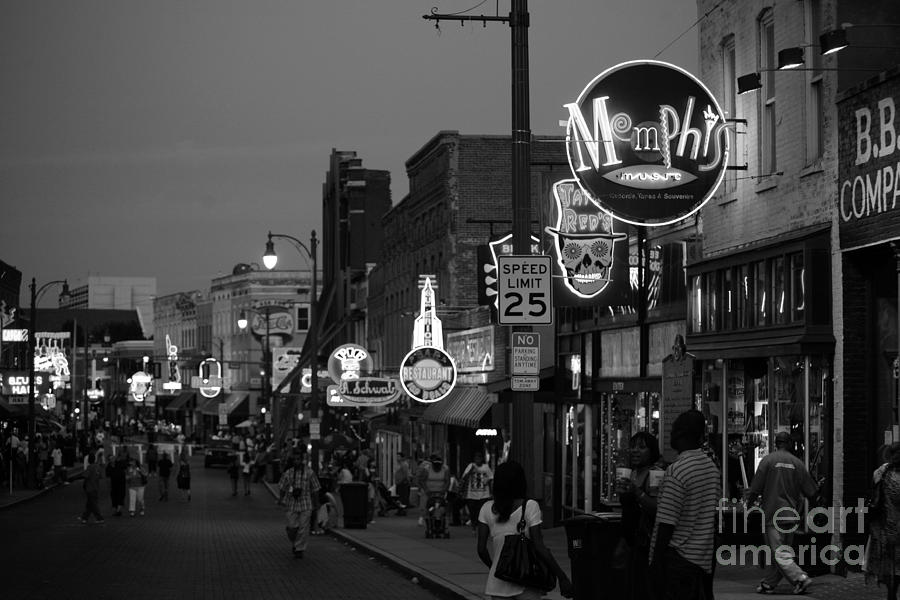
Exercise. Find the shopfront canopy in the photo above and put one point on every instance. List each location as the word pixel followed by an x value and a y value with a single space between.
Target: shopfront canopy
pixel 182 402
pixel 231 402
pixel 464 407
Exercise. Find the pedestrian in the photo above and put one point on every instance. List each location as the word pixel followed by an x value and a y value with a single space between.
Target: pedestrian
pixel 782 481
pixel 59 474
pixel 454 501
pixel 137 482
pixel 434 482
pixel 234 472
pixel 91 487
pixel 43 456
pixel 165 471
pixel 247 463
pixel 883 560
pixel 152 459
pixel 476 483
pixel 499 518
pixel 638 496
pixel 115 471
pixel 402 482
pixel 681 547
pixel 299 493
pixel 183 479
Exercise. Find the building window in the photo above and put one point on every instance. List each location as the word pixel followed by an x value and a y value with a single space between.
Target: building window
pixel 729 105
pixel 798 286
pixel 815 109
pixel 760 298
pixel 780 308
pixel 768 122
pixel 302 318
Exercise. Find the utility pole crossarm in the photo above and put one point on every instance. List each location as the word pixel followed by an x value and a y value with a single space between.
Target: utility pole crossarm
pixel 438 17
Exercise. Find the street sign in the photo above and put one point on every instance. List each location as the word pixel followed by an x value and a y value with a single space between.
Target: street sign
pixel 524 290
pixel 526 350
pixel 524 383
pixel 200 382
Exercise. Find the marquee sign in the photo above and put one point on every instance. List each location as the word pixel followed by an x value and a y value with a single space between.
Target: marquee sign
pixel 280 322
pixel 369 391
pixel 647 142
pixel 427 373
pixel 16 383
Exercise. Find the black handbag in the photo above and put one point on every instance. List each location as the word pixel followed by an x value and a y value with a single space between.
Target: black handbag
pixel 520 563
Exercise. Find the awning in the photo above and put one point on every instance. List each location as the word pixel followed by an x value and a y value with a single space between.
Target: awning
pixel 181 401
pixel 231 402
pixel 13 410
pixel 464 407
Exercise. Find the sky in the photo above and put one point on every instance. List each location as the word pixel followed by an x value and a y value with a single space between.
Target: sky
pixel 166 138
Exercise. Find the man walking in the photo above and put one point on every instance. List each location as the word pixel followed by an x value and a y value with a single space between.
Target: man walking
pixel 164 466
pixel 681 549
pixel 298 491
pixel 91 488
pixel 782 481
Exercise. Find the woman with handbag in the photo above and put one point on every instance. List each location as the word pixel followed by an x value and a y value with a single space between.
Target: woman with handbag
pixel 511 544
pixel 883 560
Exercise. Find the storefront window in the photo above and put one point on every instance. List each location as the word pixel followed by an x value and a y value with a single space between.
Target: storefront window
pixel 695 304
pixel 742 316
pixel 728 299
pixel 781 310
pixel 759 294
pixel 711 291
pixel 798 286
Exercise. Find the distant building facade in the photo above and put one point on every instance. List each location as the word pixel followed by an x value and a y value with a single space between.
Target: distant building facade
pixel 97 291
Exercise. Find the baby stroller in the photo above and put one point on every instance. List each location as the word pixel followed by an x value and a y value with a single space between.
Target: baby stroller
pixel 436 516
pixel 386 502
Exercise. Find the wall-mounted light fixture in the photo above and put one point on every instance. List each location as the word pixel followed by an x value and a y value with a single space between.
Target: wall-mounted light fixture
pixel 790 58
pixel 833 41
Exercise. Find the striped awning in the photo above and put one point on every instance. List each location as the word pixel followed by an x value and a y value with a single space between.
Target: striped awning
pixel 464 407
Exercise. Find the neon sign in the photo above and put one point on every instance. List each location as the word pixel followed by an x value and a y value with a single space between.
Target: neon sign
pixel 348 362
pixel 427 373
pixel 584 240
pixel 647 142
pixel 174 382
pixel 140 386
pixel 210 385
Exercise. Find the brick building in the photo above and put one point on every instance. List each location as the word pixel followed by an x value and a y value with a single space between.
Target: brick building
pixel 792 315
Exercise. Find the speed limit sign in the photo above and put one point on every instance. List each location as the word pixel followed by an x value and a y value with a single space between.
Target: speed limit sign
pixel 524 290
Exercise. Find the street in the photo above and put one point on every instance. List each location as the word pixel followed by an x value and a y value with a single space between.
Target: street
pixel 215 546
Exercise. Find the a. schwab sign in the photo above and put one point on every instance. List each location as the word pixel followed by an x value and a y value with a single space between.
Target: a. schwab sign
pixel 647 142
pixel 869 165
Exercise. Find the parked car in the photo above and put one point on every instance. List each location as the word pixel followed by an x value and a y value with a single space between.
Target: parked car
pixel 218 452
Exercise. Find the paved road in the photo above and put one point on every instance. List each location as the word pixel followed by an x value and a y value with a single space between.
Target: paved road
pixel 216 546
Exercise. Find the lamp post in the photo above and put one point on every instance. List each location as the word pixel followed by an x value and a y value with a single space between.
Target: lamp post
pixel 270 259
pixel 264 311
pixel 36 293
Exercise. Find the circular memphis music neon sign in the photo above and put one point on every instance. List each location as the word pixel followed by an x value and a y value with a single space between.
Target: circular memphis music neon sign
pixel 647 142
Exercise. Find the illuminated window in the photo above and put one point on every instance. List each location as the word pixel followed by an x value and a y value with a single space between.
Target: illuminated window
pixel 767 66
pixel 780 306
pixel 798 286
pixel 761 297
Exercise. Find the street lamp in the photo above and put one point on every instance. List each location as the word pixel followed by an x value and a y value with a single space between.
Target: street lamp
pixel 270 259
pixel 242 322
pixel 36 293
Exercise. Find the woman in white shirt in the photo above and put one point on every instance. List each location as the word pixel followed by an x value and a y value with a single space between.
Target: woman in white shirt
pixel 500 517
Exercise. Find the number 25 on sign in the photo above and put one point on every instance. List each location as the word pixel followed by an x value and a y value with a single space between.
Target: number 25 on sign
pixel 524 290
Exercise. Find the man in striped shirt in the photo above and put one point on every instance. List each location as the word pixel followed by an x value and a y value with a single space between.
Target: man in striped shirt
pixel 681 550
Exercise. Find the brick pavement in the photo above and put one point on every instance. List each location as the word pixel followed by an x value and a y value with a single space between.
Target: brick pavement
pixel 216 546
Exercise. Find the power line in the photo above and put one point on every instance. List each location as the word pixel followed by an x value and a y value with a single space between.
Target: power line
pixel 718 4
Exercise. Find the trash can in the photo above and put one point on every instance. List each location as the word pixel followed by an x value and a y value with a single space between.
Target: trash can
pixel 355 498
pixel 591 540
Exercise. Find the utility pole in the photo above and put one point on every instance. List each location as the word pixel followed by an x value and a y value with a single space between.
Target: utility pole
pixel 522 448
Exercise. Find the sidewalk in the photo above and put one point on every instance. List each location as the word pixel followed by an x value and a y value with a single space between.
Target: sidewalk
pixel 452 565
pixel 19 494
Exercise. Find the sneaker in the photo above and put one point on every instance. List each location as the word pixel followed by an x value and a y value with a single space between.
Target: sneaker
pixel 131 512
pixel 83 521
pixel 765 588
pixel 802 585
pixel 421 522
pixel 142 513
